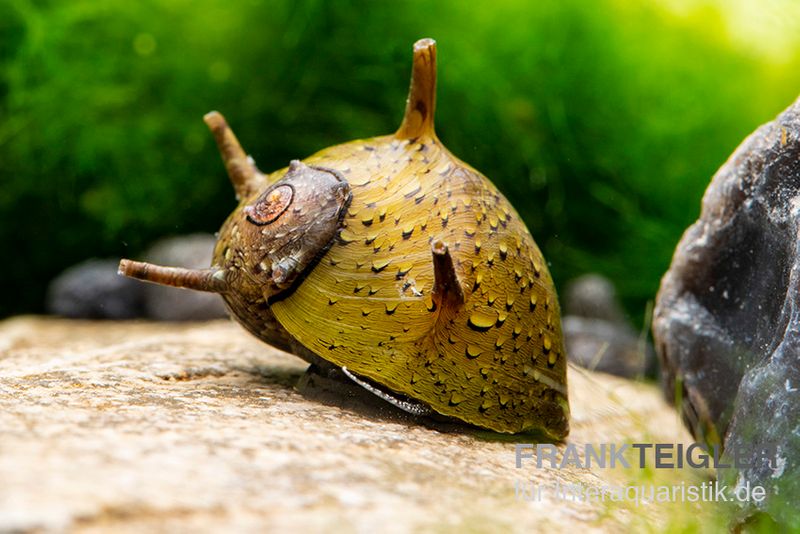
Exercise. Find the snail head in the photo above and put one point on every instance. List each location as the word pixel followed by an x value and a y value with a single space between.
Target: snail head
pixel 280 228
pixel 279 232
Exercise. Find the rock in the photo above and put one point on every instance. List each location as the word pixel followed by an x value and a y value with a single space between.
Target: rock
pixel 608 347
pixel 170 304
pixel 593 296
pixel 596 333
pixel 726 319
pixel 165 427
pixel 93 290
pixel 766 426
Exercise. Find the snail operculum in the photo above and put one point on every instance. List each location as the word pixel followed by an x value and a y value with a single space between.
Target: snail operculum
pixel 292 223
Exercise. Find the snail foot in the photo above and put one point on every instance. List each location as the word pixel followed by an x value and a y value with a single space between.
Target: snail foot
pixel 407 405
pixel 323 382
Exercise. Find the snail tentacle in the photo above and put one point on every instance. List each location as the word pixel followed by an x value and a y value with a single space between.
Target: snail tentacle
pixel 210 280
pixel 244 175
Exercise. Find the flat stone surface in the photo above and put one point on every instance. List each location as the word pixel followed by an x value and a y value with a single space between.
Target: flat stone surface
pixel 131 427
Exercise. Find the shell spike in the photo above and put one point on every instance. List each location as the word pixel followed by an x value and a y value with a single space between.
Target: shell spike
pixel 244 175
pixel 421 103
pixel 447 291
pixel 210 280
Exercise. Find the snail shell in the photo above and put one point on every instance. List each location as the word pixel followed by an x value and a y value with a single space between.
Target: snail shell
pixel 393 259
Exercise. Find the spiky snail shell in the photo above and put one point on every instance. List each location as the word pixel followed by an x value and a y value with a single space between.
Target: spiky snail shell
pixel 395 261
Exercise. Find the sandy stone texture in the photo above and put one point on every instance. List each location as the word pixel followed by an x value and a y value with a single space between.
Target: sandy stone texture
pixel 133 427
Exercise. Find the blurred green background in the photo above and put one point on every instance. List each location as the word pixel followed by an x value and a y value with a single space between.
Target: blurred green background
pixel 603 121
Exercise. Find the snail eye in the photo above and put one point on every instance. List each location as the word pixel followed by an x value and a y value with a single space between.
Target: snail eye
pixel 270 205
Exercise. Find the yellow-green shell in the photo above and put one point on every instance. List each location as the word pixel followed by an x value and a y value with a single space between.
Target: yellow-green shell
pixel 427 282
pixel 497 361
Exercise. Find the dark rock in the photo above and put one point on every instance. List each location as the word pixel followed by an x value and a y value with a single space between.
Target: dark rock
pixel 766 427
pixel 596 333
pixel 608 347
pixel 728 314
pixel 93 290
pixel 594 296
pixel 169 304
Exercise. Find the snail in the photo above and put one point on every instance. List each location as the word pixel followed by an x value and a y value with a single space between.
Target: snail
pixel 394 261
